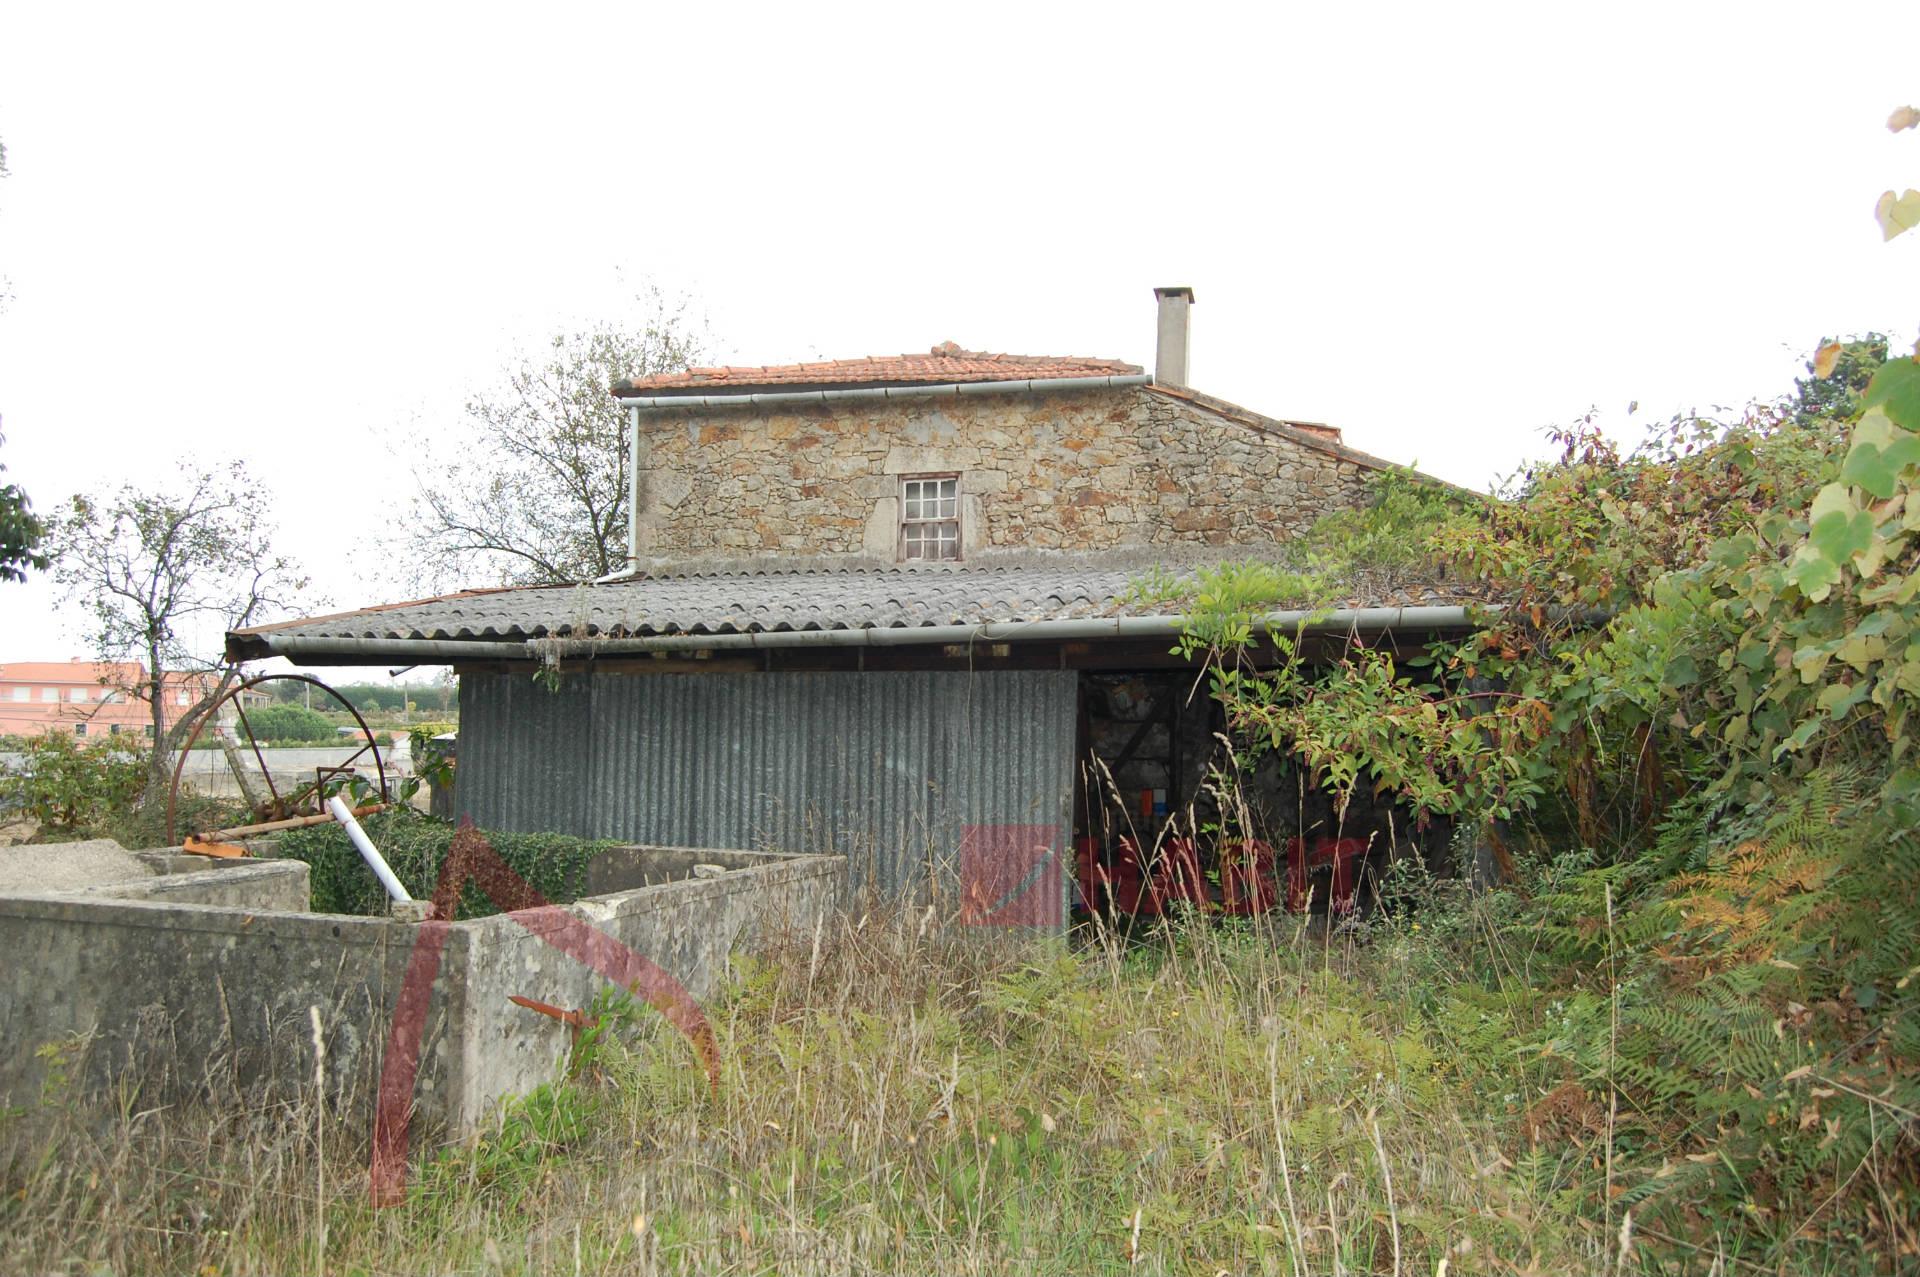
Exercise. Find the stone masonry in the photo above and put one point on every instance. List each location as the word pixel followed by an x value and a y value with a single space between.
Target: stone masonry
pixel 1101 469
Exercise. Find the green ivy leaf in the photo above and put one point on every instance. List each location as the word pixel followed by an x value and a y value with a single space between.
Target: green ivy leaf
pixel 1813 574
pixel 1861 651
pixel 1839 529
pixel 1840 698
pixel 1801 735
pixel 1681 671
pixel 1897 214
pixel 1895 390
pixel 1812 662
pixel 1880 451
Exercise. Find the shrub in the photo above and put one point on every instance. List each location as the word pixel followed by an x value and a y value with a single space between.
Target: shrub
pixel 415 846
pixel 290 723
pixel 66 785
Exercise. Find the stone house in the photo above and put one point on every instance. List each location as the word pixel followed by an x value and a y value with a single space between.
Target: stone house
pixel 887 607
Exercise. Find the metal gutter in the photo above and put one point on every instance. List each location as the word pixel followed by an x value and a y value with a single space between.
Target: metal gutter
pixel 870 394
pixel 1352 620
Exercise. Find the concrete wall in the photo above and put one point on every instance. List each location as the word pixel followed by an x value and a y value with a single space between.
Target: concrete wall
pixel 687 927
pixel 175 1000
pixel 145 994
pixel 1095 470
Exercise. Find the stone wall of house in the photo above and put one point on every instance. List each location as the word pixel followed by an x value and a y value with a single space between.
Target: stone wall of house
pixel 1094 470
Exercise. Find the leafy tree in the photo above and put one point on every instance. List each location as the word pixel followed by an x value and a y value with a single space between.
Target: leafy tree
pixel 162 574
pixel 1837 375
pixel 21 532
pixel 536 489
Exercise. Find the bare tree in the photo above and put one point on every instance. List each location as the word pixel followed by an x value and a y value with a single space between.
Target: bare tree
pixel 536 489
pixel 163 575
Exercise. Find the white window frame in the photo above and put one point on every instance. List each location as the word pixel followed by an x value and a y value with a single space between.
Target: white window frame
pixel 49 696
pixel 910 491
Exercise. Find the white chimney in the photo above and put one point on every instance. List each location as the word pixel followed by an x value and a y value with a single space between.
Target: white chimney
pixel 1170 350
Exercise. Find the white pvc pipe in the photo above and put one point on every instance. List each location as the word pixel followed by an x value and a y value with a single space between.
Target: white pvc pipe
pixel 368 852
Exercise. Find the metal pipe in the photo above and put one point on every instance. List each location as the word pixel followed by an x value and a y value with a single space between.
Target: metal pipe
pixel 368 852
pixel 633 487
pixel 1358 620
pixel 775 398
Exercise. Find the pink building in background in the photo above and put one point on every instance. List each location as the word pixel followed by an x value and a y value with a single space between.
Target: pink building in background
pixel 91 698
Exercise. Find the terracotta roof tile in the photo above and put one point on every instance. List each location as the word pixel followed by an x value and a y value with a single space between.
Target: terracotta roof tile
pixel 944 363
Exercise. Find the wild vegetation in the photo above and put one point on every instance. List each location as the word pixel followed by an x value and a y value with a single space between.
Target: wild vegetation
pixel 1680 1037
pixel 415 846
pixel 1689 731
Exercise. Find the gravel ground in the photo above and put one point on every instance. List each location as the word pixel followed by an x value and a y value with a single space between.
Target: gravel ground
pixel 64 865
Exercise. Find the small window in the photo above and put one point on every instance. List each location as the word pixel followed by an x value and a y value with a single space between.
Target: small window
pixel 180 697
pixel 930 517
pixel 77 695
pixel 148 729
pixel 23 693
pixel 50 694
pixel 79 729
pixel 113 729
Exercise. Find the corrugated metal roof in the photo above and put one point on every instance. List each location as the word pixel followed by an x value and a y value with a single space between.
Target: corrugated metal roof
pixel 816 597
pixel 722 602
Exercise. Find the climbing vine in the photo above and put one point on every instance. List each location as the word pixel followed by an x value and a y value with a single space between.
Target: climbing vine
pixel 416 846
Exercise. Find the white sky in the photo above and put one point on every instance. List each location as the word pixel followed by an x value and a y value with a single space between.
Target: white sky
pixel 302 236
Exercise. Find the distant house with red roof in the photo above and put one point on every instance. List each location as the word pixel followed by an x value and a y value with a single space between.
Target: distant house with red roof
pixel 91 698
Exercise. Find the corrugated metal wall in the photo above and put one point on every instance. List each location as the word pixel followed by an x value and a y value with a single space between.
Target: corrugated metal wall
pixel 886 768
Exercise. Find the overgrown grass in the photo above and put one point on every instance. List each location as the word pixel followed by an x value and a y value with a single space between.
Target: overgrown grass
pixel 898 1098
pixel 1254 1097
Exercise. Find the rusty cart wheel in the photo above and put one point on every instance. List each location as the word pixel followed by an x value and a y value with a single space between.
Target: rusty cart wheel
pixel 308 798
